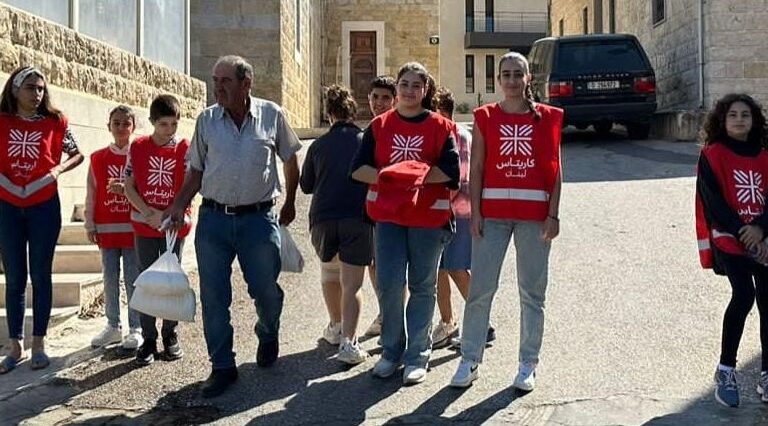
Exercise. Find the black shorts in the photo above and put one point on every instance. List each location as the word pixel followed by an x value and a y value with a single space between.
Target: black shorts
pixel 351 239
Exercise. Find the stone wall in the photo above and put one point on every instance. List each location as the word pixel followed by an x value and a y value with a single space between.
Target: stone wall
pixel 300 85
pixel 736 52
pixel 77 62
pixel 671 45
pixel 247 28
pixel 408 25
pixel 86 80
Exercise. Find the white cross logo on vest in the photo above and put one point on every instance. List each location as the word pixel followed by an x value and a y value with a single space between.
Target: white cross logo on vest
pixel 516 139
pixel 115 172
pixel 406 148
pixel 161 171
pixel 749 186
pixel 24 144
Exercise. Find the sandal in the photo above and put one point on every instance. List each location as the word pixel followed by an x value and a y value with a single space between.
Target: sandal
pixel 39 361
pixel 9 363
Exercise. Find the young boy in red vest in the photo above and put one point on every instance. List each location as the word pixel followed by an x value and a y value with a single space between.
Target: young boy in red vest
pixel 108 223
pixel 154 174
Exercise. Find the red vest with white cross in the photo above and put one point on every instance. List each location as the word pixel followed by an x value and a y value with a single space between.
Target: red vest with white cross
pixel 742 182
pixel 28 152
pixel 159 173
pixel 522 160
pixel 398 140
pixel 111 212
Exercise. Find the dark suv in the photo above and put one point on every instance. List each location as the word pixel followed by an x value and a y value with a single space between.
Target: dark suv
pixel 598 79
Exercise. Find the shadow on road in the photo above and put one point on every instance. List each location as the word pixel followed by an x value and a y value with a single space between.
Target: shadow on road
pixel 705 410
pixel 590 157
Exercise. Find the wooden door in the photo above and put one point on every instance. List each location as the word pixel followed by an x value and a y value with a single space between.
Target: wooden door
pixel 362 69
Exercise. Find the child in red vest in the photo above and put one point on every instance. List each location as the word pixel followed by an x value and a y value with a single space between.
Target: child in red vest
pixel 515 182
pixel 108 223
pixel 731 224
pixel 409 159
pixel 154 174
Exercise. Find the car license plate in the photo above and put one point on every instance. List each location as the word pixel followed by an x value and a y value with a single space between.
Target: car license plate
pixel 603 85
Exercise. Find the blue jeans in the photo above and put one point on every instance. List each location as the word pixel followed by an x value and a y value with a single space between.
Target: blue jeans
pixel 37 228
pixel 110 264
pixel 412 255
pixel 255 240
pixel 532 270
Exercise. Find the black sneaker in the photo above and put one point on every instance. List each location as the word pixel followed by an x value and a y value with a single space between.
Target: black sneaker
pixel 172 350
pixel 490 337
pixel 218 382
pixel 266 355
pixel 147 352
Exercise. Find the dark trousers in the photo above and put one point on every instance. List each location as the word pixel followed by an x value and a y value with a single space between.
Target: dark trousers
pixel 29 234
pixel 749 281
pixel 148 250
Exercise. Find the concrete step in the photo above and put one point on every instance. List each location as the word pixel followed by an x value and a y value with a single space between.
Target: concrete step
pixel 76 259
pixel 73 234
pixel 69 290
pixel 58 317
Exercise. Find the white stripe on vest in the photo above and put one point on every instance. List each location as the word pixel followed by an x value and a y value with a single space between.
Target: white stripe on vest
pixel 440 204
pixel 515 194
pixel 113 228
pixel 27 191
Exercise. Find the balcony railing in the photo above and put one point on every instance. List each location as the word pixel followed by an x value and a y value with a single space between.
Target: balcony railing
pixel 507 22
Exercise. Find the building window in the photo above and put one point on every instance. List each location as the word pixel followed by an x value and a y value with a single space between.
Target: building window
pixel 53 10
pixel 164 36
pixel 111 21
pixel 658 12
pixel 489 23
pixel 470 73
pixel 611 16
pixel 561 27
pixel 490 82
pixel 298 25
pixel 585 21
pixel 597 19
pixel 469 13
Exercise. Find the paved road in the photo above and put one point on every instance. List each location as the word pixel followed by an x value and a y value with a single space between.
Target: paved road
pixel 632 331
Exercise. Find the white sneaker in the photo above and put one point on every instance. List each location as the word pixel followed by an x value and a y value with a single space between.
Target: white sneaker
pixel 332 333
pixel 384 368
pixel 133 340
pixel 526 376
pixel 465 374
pixel 762 387
pixel 375 328
pixel 107 336
pixel 351 353
pixel 414 374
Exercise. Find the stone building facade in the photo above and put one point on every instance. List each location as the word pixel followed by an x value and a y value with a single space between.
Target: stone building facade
pixel 286 66
pixel 87 78
pixel 729 52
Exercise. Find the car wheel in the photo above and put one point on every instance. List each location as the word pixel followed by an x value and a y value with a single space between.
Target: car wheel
pixel 638 130
pixel 603 129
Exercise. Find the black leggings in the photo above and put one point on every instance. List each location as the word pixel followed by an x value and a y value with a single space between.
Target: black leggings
pixel 749 281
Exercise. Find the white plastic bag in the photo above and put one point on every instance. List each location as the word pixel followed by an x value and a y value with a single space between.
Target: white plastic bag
pixel 290 256
pixel 163 290
pixel 178 307
pixel 165 277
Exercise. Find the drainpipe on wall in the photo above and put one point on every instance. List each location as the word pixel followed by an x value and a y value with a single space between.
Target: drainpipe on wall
pixel 700 10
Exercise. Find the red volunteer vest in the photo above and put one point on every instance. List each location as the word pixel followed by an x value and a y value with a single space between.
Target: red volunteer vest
pixel 158 173
pixel 741 179
pixel 111 212
pixel 398 140
pixel 522 160
pixel 28 152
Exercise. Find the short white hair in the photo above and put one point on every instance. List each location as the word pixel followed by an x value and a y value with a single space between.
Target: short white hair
pixel 242 68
